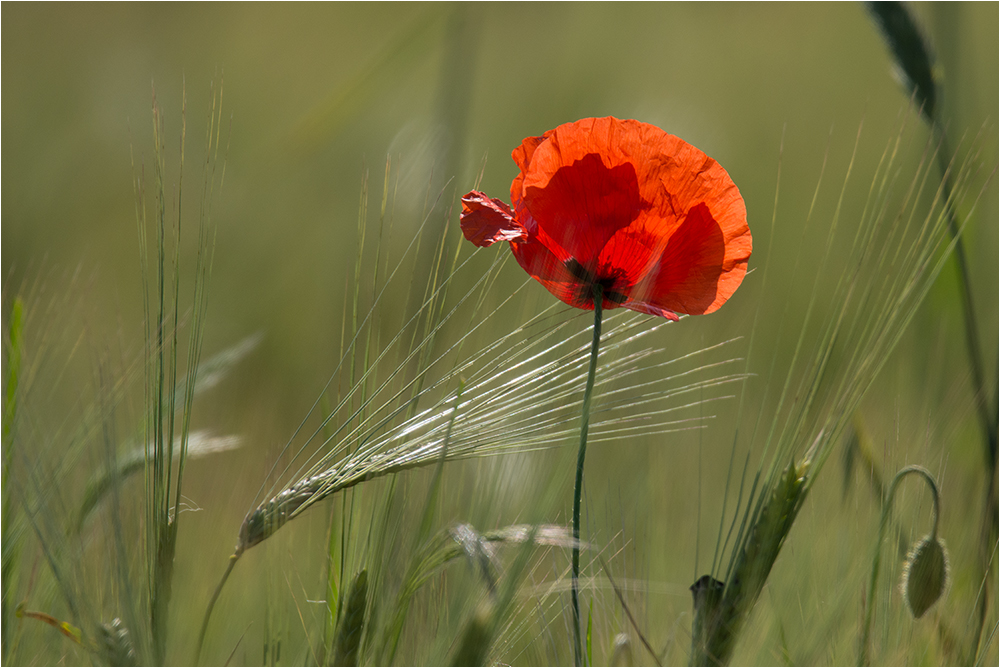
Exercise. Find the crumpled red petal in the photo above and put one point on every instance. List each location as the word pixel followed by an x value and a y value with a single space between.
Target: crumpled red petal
pixel 485 221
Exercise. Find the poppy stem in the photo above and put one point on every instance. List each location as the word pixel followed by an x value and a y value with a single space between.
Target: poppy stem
pixel 578 488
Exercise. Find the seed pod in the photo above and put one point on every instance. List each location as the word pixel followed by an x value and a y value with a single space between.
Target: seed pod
pixel 925 575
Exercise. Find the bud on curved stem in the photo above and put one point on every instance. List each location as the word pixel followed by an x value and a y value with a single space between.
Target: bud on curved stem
pixel 923 553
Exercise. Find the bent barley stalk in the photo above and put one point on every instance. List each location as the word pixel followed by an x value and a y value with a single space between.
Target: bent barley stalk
pixel 491 616
pixel 479 548
pixel 496 420
pixel 498 417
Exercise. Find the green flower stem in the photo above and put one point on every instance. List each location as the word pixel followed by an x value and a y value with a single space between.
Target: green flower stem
pixel 578 487
pixel 863 655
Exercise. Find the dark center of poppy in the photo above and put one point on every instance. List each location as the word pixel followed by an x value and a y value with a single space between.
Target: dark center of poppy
pixel 612 282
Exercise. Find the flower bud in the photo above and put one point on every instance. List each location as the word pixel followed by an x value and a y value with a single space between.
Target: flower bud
pixel 925 575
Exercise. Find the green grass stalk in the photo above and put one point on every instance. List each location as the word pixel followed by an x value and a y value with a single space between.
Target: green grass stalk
pixel 211 606
pixel 988 420
pixel 163 400
pixel 11 547
pixel 578 485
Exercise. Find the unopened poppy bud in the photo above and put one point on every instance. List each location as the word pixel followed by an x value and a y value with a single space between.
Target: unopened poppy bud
pixel 925 575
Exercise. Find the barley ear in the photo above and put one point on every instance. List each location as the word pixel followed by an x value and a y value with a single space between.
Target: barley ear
pixel 115 644
pixel 492 615
pixel 720 622
pixel 352 626
pixel 914 62
pixel 621 651
pixel 261 523
pixel 707 593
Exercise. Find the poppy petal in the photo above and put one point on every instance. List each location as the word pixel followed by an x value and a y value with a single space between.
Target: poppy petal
pixel 650 309
pixel 702 264
pixel 485 221
pixel 522 157
pixel 545 267
pixel 584 204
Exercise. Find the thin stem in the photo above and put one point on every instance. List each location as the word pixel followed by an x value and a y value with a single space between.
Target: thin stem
pixel 863 655
pixel 987 421
pixel 578 487
pixel 987 417
pixel 211 605
pixel 631 619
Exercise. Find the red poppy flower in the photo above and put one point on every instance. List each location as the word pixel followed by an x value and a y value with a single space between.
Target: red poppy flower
pixel 655 222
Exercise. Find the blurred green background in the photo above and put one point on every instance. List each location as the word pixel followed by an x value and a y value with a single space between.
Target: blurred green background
pixel 315 95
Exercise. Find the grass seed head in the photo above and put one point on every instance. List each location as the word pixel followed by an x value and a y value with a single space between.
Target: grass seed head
pixel 115 644
pixel 714 639
pixel 913 58
pixel 262 522
pixel 349 638
pixel 768 534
